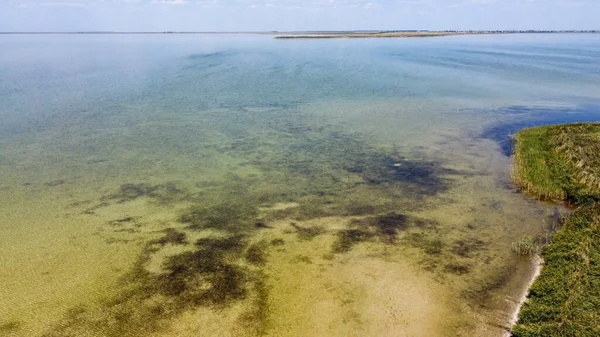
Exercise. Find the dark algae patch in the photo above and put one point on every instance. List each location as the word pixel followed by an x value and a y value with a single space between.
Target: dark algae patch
pixel 430 246
pixel 385 228
pixel 388 225
pixel 348 238
pixel 307 233
pixel 205 276
pixel 467 247
pixel 55 183
pixel 232 216
pixel 165 194
pixel 561 162
pixel 256 254
pixel 457 268
pixel 162 193
pixel 172 236
pixel 211 275
pixel 10 326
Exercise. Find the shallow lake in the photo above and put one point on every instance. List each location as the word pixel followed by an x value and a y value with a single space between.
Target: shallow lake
pixel 173 185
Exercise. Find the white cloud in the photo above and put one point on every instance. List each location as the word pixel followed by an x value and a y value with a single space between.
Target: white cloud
pixel 170 2
pixel 63 4
pixel 53 3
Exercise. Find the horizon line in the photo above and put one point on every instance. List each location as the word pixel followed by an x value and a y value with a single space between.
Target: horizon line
pixel 273 32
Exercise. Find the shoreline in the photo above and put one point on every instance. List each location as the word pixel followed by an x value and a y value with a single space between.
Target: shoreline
pixel 374 35
pixel 538 264
pixel 555 304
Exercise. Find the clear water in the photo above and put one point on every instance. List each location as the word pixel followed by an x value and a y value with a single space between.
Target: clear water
pixel 244 186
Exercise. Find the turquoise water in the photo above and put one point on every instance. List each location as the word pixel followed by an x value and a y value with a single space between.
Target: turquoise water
pixel 242 186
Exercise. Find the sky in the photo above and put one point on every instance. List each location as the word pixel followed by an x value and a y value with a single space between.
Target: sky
pixel 286 15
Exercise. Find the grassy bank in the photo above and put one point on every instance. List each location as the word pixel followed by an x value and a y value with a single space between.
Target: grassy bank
pixel 562 163
pixel 559 162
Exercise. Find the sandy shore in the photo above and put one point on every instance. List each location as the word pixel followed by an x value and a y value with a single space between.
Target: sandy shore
pixel 538 264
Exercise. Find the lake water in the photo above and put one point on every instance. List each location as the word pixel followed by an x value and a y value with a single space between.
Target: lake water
pixel 175 185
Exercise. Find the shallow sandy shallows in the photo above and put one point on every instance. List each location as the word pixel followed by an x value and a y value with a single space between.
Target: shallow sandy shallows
pixel 354 295
pixel 301 287
pixel 236 237
pixel 371 291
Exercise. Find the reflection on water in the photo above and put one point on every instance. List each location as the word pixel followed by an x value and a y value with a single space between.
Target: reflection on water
pixel 243 186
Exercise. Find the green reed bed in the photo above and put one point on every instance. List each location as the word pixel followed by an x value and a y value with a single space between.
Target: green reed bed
pixel 562 162
pixel 564 299
pixel 559 162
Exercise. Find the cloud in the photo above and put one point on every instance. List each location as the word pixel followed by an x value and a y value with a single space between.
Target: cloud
pixel 170 2
pixel 64 4
pixel 240 4
pixel 53 3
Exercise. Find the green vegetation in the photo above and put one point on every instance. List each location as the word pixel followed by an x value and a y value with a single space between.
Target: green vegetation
pixel 562 162
pixel 527 245
pixel 559 162
pixel 565 298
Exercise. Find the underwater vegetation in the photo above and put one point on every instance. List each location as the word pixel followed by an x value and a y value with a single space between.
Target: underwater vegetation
pixel 162 193
pixel 384 227
pixel 210 275
pixel 316 159
pixel 431 246
pixel 204 276
pixel 388 225
pixel 230 216
pixel 348 238
pixel 172 236
pixel 467 247
pixel 318 170
pixel 456 268
pixel 55 183
pixel 10 326
pixel 256 254
pixel 561 162
pixel 327 171
pixel 307 233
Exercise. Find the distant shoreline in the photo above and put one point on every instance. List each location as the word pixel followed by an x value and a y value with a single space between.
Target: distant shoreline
pixel 404 34
pixel 283 35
